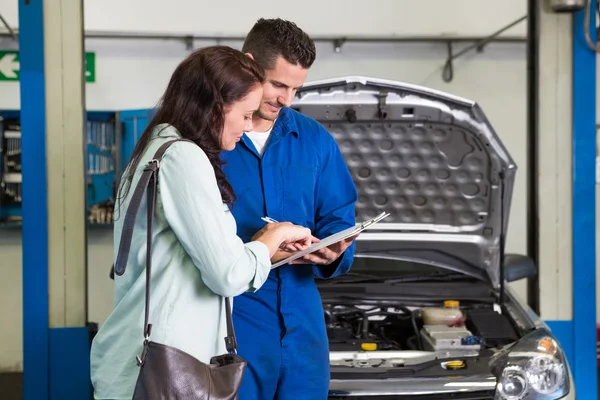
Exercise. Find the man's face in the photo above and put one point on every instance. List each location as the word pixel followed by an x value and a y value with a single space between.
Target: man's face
pixel 280 88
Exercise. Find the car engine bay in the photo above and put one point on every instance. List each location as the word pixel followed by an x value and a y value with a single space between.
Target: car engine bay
pixel 389 336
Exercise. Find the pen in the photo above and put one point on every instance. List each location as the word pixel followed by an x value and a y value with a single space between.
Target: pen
pixel 269 220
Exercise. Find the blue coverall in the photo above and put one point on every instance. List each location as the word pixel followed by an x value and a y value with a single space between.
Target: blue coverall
pixel 302 178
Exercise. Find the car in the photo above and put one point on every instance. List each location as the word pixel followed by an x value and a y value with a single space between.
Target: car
pixel 425 312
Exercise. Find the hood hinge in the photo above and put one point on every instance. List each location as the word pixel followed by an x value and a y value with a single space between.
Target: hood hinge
pixel 382 106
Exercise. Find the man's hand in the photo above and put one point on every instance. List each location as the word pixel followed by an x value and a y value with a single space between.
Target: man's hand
pixel 280 255
pixel 326 255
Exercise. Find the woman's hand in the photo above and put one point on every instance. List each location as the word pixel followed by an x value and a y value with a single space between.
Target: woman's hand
pixel 286 250
pixel 293 247
pixel 284 236
pixel 298 239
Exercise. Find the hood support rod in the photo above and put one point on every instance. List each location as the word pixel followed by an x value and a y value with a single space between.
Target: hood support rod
pixel 502 238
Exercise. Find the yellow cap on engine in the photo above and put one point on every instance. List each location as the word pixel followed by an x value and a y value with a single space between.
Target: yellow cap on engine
pixel 368 346
pixel 451 303
pixel 455 365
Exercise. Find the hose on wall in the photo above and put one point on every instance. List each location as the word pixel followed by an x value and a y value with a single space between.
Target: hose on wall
pixel 586 27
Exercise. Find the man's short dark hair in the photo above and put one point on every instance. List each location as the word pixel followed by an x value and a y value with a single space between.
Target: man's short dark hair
pixel 272 38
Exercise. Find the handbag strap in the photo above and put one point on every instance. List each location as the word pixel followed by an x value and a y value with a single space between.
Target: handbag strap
pixel 148 183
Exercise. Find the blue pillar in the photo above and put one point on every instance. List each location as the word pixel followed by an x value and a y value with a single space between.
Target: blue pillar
pixel 35 214
pixel 584 205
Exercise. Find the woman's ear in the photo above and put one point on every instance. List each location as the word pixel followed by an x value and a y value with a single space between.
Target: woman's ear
pixel 217 114
pixel 214 117
pixel 250 55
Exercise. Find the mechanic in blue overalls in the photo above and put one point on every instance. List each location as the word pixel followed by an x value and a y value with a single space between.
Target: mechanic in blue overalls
pixel 289 169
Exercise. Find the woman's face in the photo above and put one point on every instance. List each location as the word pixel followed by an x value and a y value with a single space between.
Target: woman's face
pixel 238 118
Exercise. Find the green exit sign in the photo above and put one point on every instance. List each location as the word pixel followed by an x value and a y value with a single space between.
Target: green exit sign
pixel 90 67
pixel 10 66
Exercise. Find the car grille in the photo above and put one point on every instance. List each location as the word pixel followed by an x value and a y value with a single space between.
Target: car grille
pixel 484 395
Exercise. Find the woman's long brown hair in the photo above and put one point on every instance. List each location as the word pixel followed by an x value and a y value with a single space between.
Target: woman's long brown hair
pixel 200 89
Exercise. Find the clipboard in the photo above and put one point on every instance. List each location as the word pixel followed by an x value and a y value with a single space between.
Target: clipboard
pixel 336 237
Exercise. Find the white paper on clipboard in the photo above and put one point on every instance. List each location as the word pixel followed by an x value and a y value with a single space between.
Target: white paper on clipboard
pixel 336 237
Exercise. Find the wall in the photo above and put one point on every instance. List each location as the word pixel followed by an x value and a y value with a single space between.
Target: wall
pixel 331 17
pixel 133 73
pixel 11 302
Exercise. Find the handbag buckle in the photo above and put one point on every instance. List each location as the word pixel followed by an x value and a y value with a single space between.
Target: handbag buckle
pixel 153 164
pixel 141 359
pixel 230 344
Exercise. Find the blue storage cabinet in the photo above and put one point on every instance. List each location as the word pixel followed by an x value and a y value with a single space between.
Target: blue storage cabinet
pixel 10 167
pixel 110 139
pixel 101 146
pixel 133 123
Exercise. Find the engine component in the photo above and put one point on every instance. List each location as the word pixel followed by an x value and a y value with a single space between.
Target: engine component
pixel 449 315
pixel 442 337
pixel 344 338
pixel 454 365
pixel 359 328
pixel 494 327
pixel 368 328
pixel 379 359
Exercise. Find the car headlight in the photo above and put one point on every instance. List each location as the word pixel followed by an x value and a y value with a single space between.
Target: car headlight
pixel 534 368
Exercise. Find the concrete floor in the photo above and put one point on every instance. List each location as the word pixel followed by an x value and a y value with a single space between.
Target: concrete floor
pixel 11 386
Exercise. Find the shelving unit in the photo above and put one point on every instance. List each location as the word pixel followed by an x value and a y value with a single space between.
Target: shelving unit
pixel 101 162
pixel 110 139
pixel 10 168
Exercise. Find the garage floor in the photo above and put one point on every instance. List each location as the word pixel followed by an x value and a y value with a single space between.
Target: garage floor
pixel 11 386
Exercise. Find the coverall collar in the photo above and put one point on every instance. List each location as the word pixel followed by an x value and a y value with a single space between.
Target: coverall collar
pixel 287 124
pixel 284 125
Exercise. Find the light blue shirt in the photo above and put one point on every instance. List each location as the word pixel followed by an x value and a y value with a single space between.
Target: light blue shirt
pixel 196 259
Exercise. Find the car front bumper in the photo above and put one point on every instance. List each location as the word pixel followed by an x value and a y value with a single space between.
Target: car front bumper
pixel 426 387
pixel 477 387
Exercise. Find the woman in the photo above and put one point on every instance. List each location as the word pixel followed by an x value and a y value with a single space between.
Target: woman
pixel 197 258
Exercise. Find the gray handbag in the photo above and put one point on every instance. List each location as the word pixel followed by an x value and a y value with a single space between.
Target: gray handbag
pixel 167 372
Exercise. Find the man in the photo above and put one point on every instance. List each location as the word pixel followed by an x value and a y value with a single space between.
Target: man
pixel 289 169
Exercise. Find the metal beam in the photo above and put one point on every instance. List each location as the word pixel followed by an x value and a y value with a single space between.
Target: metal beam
pixel 55 335
pixel 553 177
pixel 65 170
pixel 35 212
pixel 584 200
pixel 68 335
pixel 533 65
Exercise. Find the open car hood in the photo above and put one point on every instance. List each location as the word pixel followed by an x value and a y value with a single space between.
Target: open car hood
pixel 430 159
